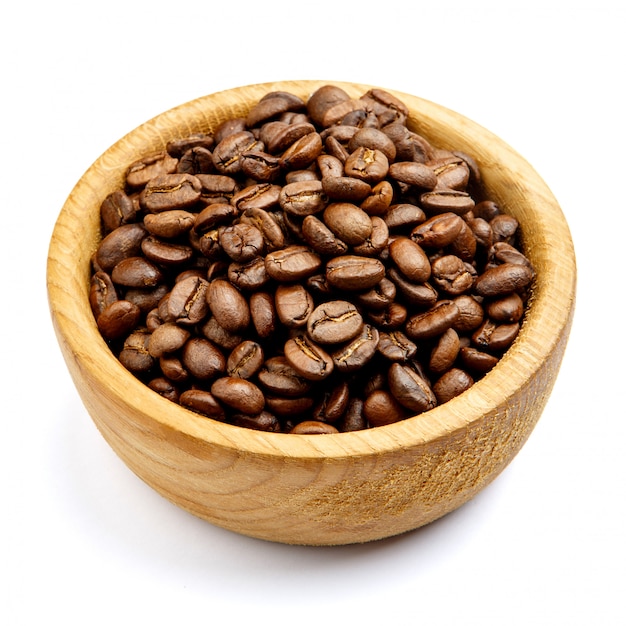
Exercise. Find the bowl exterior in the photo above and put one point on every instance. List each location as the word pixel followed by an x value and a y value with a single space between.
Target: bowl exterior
pixel 311 489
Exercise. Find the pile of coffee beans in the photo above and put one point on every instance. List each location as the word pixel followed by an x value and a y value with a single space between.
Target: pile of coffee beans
pixel 313 267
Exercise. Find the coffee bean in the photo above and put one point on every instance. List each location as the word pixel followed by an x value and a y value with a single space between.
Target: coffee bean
pixel 239 394
pixel 308 359
pixel 228 306
pixel 354 273
pixel 410 259
pixel 358 351
pixel 381 408
pixel 348 222
pixel 336 321
pixel 292 263
pixel 171 191
pixel 118 319
pixel 453 383
pixel 245 360
pixel 410 389
pixel 294 305
pixel 312 427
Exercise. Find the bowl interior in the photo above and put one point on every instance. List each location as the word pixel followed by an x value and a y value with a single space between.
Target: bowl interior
pixel 508 179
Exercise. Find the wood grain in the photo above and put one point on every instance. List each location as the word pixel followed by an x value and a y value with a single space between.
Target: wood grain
pixel 330 489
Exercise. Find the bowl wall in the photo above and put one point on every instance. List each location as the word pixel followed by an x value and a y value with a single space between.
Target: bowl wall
pixel 311 489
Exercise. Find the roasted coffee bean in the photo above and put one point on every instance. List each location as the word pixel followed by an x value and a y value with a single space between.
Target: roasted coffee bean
pixel 239 394
pixel 495 337
pixel 394 345
pixel 381 408
pixel 433 322
pixel 173 368
pixel 507 309
pixel 404 217
pixel 447 201
pixel 292 263
pixel 354 273
pixel 136 271
pixel 135 355
pixel 263 313
pixel 203 402
pixel 390 317
pixel 217 334
pixel 421 296
pixel 378 240
pixel 202 359
pixel 169 224
pixel 410 389
pixel 348 222
pixel 178 147
pixel 171 191
pixel 116 210
pixel 312 427
pixel 379 200
pixel 118 319
pixel 464 244
pixel 410 259
pixel 374 139
pixel 336 321
pixel 102 292
pixel 268 225
pixel 241 242
pixel 354 418
pixel 368 165
pixel 320 238
pixel 166 253
pixel 196 160
pixel 187 302
pixel 227 153
pixel 378 297
pixel 451 384
pixel 302 153
pixel 504 228
pixel 308 267
pixel 503 279
pixel 345 188
pixel 286 408
pixel 304 197
pixel 165 388
pixel 279 377
pixel 294 305
pixel 452 172
pixel 168 337
pixel 260 166
pixel 438 231
pixel 245 360
pixel 412 173
pixel 279 135
pixel 333 404
pixel 477 360
pixel 119 244
pixel 144 170
pixel 353 355
pixel 445 352
pixel 470 316
pixel 264 421
pixel 308 359
pixel 228 306
pixel 451 275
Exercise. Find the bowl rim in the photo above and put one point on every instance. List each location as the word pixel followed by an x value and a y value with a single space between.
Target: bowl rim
pixel 547 318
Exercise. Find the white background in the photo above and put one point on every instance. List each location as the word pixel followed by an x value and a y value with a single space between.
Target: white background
pixel 83 541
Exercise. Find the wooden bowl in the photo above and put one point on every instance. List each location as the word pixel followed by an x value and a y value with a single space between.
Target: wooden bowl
pixel 319 489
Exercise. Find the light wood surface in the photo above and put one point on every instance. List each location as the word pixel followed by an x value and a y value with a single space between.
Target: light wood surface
pixel 319 489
